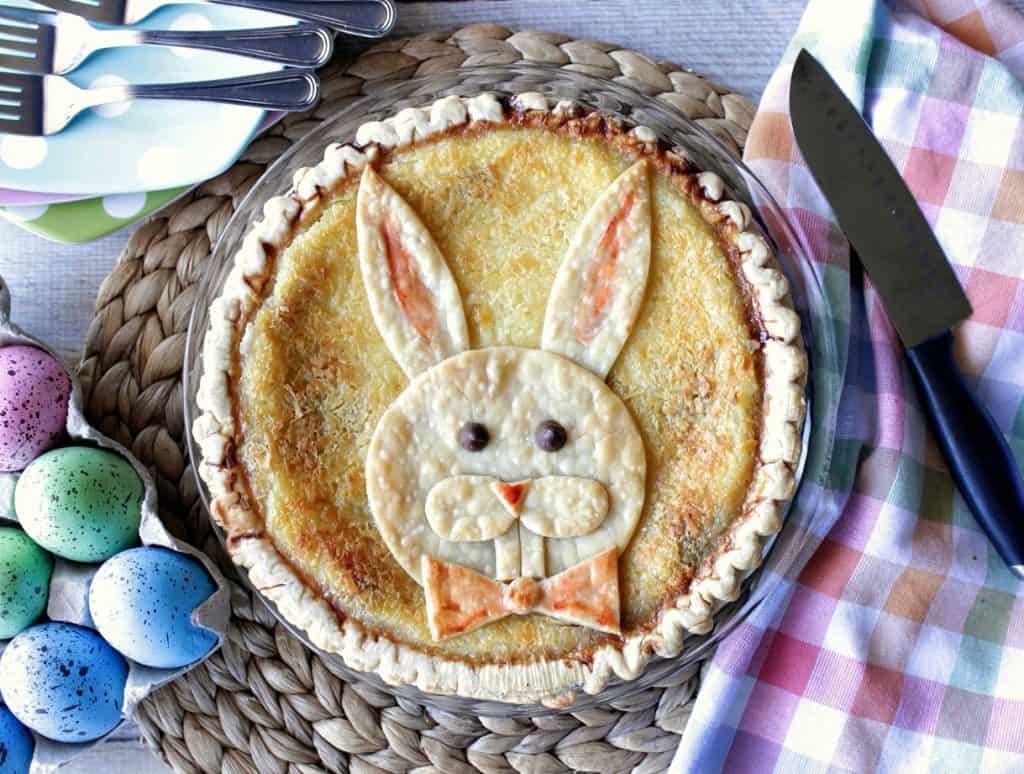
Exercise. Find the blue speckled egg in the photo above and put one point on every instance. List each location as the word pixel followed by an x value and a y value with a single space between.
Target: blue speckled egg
pixel 16 744
pixel 25 571
pixel 34 392
pixel 80 502
pixel 142 601
pixel 64 682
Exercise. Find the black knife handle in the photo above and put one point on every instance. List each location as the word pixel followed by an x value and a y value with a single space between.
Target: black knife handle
pixel 975 449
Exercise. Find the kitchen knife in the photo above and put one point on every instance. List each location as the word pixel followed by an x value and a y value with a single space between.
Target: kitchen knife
pixel 919 290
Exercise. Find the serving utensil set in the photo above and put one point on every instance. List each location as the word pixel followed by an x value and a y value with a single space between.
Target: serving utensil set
pixel 42 46
pixel 57 43
pixel 362 18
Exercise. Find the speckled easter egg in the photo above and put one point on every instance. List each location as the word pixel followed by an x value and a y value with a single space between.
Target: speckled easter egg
pixel 34 392
pixel 63 682
pixel 80 502
pixel 142 602
pixel 25 571
pixel 16 744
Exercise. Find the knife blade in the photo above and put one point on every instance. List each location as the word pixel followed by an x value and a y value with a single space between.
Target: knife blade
pixel 875 208
pixel 919 291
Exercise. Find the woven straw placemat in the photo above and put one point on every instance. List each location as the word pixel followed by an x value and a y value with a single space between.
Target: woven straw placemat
pixel 265 703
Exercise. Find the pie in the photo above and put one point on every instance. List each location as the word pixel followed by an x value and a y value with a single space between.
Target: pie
pixel 502 399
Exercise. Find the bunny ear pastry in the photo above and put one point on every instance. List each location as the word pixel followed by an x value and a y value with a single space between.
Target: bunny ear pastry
pixel 598 289
pixel 413 297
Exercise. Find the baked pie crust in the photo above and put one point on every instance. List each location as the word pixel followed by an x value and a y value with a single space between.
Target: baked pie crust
pixel 366 321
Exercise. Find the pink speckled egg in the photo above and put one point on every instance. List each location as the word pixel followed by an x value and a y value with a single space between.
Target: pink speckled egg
pixel 34 392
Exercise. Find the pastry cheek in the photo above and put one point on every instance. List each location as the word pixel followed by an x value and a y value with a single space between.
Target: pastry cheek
pixel 565 506
pixel 464 508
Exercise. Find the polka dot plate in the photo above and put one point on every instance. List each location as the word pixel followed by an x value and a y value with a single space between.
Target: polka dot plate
pixel 132 157
pixel 86 219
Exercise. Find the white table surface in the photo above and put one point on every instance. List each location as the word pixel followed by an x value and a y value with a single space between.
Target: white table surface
pixel 737 42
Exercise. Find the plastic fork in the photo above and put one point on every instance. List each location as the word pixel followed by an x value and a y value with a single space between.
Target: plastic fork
pixel 45 104
pixel 362 18
pixel 58 42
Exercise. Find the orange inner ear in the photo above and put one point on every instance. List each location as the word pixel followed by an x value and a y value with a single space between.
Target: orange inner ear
pixel 599 282
pixel 412 295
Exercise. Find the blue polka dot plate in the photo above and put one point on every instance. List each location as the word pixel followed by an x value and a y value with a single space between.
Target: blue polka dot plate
pixel 144 146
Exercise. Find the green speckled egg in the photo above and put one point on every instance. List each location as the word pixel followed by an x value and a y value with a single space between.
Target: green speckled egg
pixel 25 571
pixel 81 503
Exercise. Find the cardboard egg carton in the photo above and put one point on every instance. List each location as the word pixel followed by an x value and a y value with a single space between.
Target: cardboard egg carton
pixel 69 584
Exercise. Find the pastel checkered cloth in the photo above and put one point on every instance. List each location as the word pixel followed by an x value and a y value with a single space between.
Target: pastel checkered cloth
pixel 898 643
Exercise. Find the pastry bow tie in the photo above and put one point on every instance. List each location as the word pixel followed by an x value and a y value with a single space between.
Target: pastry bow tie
pixel 460 600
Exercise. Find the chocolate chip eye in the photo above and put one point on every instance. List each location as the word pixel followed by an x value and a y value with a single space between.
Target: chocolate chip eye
pixel 473 436
pixel 550 435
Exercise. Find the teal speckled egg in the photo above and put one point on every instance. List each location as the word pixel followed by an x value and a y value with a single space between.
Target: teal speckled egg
pixel 80 502
pixel 25 571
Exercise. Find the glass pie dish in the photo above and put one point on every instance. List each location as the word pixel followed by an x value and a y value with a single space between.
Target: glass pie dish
pixel 694 144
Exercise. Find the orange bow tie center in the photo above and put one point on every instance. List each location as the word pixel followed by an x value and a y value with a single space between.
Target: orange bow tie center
pixel 521 596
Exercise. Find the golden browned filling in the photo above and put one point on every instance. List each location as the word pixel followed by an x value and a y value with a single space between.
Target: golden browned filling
pixel 315 375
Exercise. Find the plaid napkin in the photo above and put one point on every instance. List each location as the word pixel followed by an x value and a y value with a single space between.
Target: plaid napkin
pixel 898 642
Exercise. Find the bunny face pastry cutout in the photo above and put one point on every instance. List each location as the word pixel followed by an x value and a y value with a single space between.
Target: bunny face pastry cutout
pixel 504 480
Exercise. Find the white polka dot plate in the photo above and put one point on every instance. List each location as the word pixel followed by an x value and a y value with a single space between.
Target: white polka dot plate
pixel 144 146
pixel 89 218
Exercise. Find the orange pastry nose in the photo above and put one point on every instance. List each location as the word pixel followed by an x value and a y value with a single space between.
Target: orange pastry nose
pixel 512 495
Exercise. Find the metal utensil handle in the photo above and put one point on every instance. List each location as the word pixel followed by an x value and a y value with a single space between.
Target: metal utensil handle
pixel 362 18
pixel 285 90
pixel 303 45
